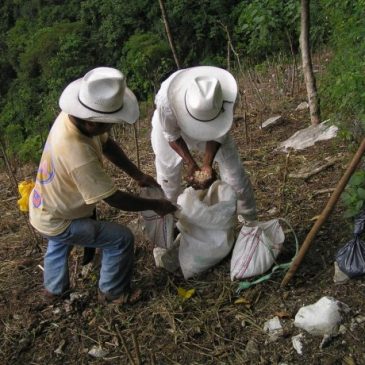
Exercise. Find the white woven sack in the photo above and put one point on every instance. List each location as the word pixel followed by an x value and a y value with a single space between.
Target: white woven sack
pixel 206 223
pixel 159 230
pixel 256 249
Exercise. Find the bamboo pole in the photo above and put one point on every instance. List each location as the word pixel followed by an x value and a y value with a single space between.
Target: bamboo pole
pixel 325 213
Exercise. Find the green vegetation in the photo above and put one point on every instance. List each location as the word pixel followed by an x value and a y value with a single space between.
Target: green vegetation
pixel 45 44
pixel 354 195
pixel 343 91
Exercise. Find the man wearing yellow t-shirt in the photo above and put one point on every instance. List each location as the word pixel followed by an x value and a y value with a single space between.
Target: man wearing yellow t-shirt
pixel 71 180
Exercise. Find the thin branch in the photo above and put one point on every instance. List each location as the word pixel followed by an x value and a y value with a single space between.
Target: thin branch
pixel 129 355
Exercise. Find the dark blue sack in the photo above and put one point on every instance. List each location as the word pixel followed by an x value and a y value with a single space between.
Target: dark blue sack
pixel 351 257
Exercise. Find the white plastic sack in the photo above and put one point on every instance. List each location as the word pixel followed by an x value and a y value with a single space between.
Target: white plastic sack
pixel 256 249
pixel 206 223
pixel 159 230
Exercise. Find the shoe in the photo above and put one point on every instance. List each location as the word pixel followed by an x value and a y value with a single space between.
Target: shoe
pixel 125 298
pixel 51 298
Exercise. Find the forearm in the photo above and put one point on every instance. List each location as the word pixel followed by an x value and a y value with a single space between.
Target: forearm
pixel 113 152
pixel 180 147
pixel 131 203
pixel 211 150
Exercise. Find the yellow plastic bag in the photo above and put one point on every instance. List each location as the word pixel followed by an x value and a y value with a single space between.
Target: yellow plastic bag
pixel 25 188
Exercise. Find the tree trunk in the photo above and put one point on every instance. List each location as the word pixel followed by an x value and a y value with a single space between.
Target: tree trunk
pixel 309 78
pixel 169 36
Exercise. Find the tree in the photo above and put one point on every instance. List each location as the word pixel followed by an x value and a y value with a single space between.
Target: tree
pixel 168 32
pixel 309 78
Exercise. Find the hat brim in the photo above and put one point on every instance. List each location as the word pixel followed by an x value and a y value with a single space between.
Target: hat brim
pixel 203 130
pixel 70 104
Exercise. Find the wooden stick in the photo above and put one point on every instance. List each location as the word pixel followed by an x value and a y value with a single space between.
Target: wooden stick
pixel 129 355
pixel 136 347
pixel 282 192
pixel 317 170
pixel 137 146
pixel 325 213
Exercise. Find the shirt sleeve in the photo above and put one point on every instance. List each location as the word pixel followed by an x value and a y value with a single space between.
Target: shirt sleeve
pixel 170 129
pixel 222 139
pixel 93 183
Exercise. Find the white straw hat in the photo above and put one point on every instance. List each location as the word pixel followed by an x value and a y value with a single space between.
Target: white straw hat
pixel 202 99
pixel 100 96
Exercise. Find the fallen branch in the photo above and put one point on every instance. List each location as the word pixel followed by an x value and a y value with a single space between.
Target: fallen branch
pixel 323 191
pixel 307 174
pixel 129 355
pixel 136 347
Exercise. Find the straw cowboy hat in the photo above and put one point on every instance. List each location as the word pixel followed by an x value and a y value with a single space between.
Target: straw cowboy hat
pixel 202 99
pixel 100 96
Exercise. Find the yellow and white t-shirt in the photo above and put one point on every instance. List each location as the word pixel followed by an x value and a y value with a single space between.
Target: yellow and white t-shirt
pixel 70 179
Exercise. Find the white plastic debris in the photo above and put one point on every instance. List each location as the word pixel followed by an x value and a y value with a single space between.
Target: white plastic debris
pixel 320 318
pixel 272 211
pixel 167 259
pixel 273 328
pixel 271 121
pixel 297 343
pixel 309 136
pixel 77 296
pixel 98 352
pixel 302 106
pixel 339 276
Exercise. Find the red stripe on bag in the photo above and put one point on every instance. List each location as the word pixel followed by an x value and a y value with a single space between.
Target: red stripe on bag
pixel 253 248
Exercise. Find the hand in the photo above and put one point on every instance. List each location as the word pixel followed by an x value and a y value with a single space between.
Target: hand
pixel 165 207
pixel 147 180
pixel 190 173
pixel 204 178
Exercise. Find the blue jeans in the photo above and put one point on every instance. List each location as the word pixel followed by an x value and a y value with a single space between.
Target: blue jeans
pixel 115 241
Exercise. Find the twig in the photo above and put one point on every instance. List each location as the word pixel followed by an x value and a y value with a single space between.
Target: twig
pixel 152 358
pixel 9 199
pixel 308 174
pixel 129 355
pixel 136 347
pixel 137 146
pixel 323 191
pixel 282 189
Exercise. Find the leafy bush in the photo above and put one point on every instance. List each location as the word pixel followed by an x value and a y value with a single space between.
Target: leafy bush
pixel 354 194
pixel 343 87
pixel 146 60
pixel 264 26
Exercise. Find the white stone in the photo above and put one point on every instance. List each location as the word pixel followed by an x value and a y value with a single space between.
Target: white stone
pixel 273 328
pixel 271 121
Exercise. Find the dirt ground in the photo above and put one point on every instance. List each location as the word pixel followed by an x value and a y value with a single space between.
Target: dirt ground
pixel 213 326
